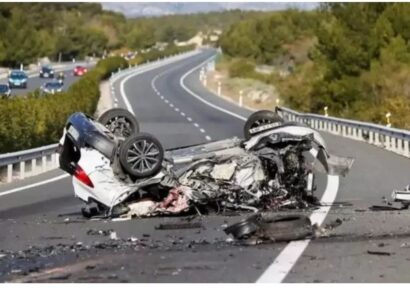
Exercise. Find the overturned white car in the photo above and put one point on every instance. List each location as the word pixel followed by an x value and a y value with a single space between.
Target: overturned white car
pixel 124 171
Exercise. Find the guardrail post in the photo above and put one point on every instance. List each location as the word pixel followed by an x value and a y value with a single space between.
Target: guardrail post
pixel 376 138
pixel 33 166
pixel 344 133
pixel 400 146
pixel 53 160
pixel 406 148
pixel 9 173
pixel 387 142
pixel 56 160
pixel 43 163
pixel 22 169
pixel 371 137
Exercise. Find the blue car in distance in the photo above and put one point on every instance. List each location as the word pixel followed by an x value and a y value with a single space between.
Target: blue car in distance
pixel 5 90
pixel 18 79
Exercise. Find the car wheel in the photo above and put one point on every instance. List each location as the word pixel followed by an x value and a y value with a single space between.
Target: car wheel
pixel 120 122
pixel 261 121
pixel 141 155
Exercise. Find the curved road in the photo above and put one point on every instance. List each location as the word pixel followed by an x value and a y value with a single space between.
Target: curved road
pixel 170 102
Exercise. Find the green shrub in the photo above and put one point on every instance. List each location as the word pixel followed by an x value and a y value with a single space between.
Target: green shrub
pixel 36 121
pixel 241 68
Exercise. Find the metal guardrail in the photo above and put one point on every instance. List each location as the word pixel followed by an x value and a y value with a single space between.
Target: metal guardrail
pixel 391 139
pixel 29 162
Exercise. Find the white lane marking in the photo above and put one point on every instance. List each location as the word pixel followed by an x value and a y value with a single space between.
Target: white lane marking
pixel 34 184
pixel 144 69
pixel 153 81
pixel 283 263
pixel 295 249
pixel 181 82
pixel 208 138
pixel 166 101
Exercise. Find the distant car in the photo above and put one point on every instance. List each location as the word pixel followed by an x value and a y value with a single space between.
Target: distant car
pixel 18 79
pixel 79 70
pixel 5 90
pixel 60 77
pixel 46 72
pixel 52 87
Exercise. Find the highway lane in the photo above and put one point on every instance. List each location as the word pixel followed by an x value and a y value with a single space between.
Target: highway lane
pixel 35 82
pixel 37 216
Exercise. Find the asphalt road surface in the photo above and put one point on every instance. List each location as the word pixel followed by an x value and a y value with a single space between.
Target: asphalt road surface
pixel 35 82
pixel 44 238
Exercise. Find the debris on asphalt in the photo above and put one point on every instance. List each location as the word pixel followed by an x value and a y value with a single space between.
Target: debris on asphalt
pixel 405 245
pixel 379 253
pixel 178 226
pixel 92 232
pixel 60 277
pixel 271 227
pixel 333 224
pixel 386 208
pixel 402 195
pixel 113 236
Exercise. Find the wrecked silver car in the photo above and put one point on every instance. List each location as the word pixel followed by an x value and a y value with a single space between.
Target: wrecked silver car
pixel 124 171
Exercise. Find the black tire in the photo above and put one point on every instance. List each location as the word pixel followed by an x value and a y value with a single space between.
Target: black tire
pixel 146 149
pixel 244 228
pixel 260 118
pixel 284 228
pixel 120 122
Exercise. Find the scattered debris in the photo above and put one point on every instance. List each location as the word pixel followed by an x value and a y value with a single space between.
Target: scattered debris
pixel 271 227
pixel 178 226
pixel 378 253
pixel 92 232
pixel 405 245
pixel 333 224
pixel 113 236
pixel 60 277
pixel 386 208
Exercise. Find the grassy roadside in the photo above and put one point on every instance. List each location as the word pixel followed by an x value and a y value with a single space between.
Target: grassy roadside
pixel 256 94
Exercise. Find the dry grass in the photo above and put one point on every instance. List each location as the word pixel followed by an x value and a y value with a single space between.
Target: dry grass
pixel 231 87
